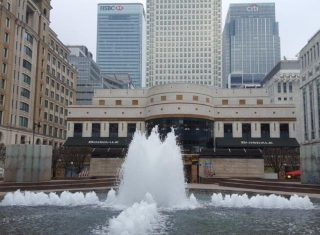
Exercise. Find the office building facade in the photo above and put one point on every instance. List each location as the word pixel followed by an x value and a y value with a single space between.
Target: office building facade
pixel 229 128
pixel 120 40
pixel 89 77
pixel 310 106
pixel 37 80
pixel 184 42
pixel 251 44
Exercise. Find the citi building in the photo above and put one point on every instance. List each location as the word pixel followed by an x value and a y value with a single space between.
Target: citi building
pixel 251 44
pixel 120 40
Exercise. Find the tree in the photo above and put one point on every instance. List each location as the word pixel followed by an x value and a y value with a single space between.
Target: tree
pixel 2 153
pixel 76 157
pixel 56 160
pixel 278 158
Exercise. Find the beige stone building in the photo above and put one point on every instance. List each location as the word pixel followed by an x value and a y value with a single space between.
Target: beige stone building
pixel 37 81
pixel 219 130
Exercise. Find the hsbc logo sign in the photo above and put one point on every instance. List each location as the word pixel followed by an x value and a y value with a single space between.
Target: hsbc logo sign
pixel 112 8
pixel 253 8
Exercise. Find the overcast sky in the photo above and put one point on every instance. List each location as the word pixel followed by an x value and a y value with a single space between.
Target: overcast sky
pixel 75 21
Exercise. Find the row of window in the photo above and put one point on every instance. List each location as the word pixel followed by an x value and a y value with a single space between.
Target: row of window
pixel 52 72
pixel 311 55
pixel 54 119
pixel 54 132
pixel 264 130
pixel 57 97
pixel 284 87
pixel 58 87
pixel 48 104
pixel 179 98
pixel 96 129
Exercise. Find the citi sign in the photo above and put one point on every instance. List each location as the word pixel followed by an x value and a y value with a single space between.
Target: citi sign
pixel 253 8
pixel 112 8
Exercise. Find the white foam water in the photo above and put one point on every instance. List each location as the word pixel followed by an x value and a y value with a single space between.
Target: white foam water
pixel 153 166
pixel 259 201
pixel 139 219
pixel 19 198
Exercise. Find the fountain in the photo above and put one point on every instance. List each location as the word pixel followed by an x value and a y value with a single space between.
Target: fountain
pixel 152 198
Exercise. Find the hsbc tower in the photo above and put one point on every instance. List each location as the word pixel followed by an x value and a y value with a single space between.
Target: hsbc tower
pixel 120 36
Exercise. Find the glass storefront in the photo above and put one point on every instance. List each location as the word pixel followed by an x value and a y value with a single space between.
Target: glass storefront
pixel 192 134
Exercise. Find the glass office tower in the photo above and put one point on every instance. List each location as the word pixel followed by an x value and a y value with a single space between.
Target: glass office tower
pixel 120 40
pixel 89 77
pixel 251 44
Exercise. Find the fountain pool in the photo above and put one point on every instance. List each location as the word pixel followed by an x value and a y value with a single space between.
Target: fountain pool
pixel 152 199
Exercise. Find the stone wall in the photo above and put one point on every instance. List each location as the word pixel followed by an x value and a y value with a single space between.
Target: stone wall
pixel 310 163
pixel 105 166
pixel 28 163
pixel 222 167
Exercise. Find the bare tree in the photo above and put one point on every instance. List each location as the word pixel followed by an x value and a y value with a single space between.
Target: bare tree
pixel 278 158
pixel 76 157
pixel 57 159
pixel 2 153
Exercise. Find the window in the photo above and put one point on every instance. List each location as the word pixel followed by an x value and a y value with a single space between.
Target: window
pixel 77 130
pixel 290 87
pixel 207 100
pixel 131 129
pixel 246 130
pixel 26 79
pixel 135 102
pixel 25 93
pixel 227 129
pixel 23 121
pixel 6 38
pixel 312 111
pixel 28 51
pixel 27 65
pixel 4 68
pixel 284 130
pixel 96 129
pixel 259 102
pixel 279 87
pixel 242 102
pixel 24 107
pixel 284 87
pixel 225 102
pixel 102 102
pixel 118 102
pixel 179 97
pixel 163 98
pixel 5 52
pixel 195 98
pixel 113 130
pixel 7 22
pixel 265 130
pixel 1 99
pixel 28 37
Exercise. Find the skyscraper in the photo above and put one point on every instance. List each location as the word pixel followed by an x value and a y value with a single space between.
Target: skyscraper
pixel 251 44
pixel 184 42
pixel 120 40
pixel 89 76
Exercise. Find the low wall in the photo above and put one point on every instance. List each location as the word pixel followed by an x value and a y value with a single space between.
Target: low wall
pixel 105 166
pixel 225 167
pixel 28 163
